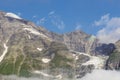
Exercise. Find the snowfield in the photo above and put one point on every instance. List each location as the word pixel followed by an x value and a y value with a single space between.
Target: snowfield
pixel 12 15
pixel 98 62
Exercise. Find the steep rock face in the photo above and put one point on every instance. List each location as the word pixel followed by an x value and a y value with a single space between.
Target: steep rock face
pixel 82 42
pixel 114 59
pixel 104 49
pixel 76 40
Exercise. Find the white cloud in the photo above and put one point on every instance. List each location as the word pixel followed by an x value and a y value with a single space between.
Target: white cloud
pixel 110 33
pixel 104 19
pixel 102 75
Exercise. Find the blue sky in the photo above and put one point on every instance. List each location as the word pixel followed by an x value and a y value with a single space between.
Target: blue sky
pixel 64 15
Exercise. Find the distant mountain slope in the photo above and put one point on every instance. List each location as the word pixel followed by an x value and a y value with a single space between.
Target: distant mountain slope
pixel 114 59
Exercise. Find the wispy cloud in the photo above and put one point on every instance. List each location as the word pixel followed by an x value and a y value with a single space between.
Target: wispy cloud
pixel 110 33
pixel 56 20
pixel 41 21
pixel 58 23
pixel 104 19
pixel 52 18
pixel 51 13
pixel 34 16
pixel 78 26
pixel 19 14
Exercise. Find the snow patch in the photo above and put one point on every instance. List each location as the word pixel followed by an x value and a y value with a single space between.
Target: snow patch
pixel 76 58
pixel 73 55
pixel 12 15
pixel 4 52
pixel 59 76
pixel 46 60
pixel 81 53
pixel 47 75
pixel 33 31
pixel 42 73
pixel 29 36
pixel 98 62
pixel 39 49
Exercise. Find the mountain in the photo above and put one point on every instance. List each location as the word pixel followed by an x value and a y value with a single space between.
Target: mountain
pixel 28 50
pixel 25 49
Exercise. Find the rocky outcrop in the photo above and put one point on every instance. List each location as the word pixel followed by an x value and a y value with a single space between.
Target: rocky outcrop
pixel 113 63
pixel 76 40
pixel 104 49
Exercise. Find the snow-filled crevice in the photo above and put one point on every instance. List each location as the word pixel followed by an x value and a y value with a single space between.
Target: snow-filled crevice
pixel 4 52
